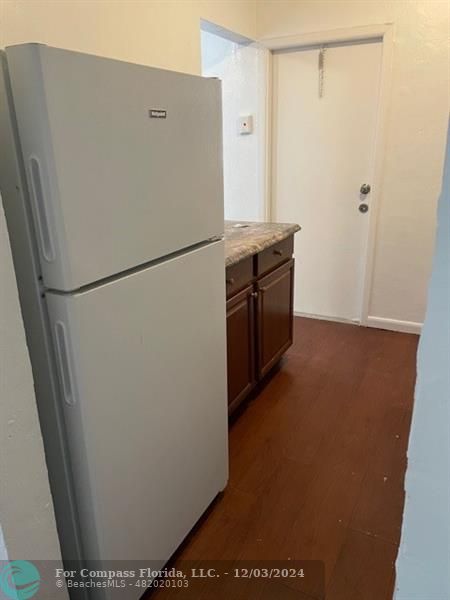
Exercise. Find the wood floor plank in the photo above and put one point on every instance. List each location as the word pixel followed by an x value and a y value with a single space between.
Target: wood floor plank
pixel 282 496
pixel 317 463
pixel 364 570
pixel 379 506
pixel 224 530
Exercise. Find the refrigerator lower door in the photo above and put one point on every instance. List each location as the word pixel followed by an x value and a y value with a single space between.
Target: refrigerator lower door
pixel 143 377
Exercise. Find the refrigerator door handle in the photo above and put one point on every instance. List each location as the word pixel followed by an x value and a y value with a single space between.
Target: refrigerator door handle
pixel 43 225
pixel 64 363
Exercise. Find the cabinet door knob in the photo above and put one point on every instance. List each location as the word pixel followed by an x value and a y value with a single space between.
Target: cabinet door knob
pixel 278 252
pixel 230 281
pixel 254 294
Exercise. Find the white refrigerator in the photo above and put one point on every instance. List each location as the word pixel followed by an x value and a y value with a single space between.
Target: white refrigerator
pixel 111 177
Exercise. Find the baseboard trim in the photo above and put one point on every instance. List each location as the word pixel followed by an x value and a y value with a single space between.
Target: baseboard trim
pixel 394 325
pixel 326 318
pixel 376 322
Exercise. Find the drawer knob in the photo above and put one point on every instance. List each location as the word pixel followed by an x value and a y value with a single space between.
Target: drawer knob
pixel 278 252
pixel 230 281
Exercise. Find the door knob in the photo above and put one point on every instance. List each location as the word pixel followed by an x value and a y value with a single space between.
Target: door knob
pixel 365 188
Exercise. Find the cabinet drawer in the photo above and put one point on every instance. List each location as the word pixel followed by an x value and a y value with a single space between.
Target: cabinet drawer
pixel 274 255
pixel 239 275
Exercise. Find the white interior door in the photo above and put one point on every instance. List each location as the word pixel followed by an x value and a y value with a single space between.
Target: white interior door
pixel 323 152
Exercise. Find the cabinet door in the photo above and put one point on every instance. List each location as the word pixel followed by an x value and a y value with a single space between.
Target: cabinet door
pixel 275 315
pixel 240 346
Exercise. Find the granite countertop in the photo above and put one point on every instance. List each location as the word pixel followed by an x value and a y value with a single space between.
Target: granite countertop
pixel 245 238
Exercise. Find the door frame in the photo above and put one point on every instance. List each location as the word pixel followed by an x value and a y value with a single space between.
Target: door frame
pixel 384 32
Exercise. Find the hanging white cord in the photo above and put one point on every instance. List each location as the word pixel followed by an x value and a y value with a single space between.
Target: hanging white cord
pixel 321 69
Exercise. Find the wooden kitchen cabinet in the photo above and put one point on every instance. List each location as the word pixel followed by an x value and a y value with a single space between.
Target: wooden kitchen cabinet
pixel 241 345
pixel 274 315
pixel 259 316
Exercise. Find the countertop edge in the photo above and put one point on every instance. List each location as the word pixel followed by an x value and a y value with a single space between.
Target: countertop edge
pixel 252 248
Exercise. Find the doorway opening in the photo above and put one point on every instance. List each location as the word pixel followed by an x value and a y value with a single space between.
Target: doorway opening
pixel 240 64
pixel 328 112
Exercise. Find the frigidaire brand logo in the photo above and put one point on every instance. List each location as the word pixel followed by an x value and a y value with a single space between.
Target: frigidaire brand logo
pixel 19 579
pixel 157 113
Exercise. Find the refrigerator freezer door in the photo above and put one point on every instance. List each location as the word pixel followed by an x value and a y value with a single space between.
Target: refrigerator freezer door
pixel 142 364
pixel 124 162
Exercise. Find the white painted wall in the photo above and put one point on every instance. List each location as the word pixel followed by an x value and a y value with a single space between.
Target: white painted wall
pixel 160 33
pixel 26 509
pixel 423 563
pixel 241 68
pixel 419 105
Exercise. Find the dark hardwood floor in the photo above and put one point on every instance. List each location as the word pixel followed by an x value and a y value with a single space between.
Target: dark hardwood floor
pixel 317 464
